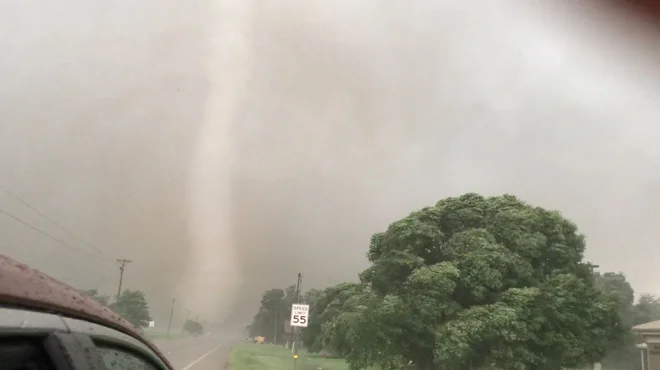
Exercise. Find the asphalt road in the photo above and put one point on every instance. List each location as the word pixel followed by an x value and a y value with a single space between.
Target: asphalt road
pixel 201 353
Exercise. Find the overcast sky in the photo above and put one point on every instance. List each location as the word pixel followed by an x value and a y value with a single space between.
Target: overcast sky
pixel 225 146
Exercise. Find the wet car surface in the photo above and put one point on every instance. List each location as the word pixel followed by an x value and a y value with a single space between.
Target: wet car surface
pixel 46 324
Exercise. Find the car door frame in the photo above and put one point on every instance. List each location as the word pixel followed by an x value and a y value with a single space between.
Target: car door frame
pixel 66 350
pixel 102 334
pixel 71 344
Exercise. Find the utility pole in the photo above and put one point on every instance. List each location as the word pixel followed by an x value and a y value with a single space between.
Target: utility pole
pixel 295 328
pixel 298 288
pixel 171 314
pixel 122 265
pixel 595 365
pixel 183 328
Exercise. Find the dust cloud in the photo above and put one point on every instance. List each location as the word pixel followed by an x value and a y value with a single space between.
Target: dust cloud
pixel 225 146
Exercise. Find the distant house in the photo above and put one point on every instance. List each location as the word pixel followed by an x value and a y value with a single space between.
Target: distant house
pixel 650 348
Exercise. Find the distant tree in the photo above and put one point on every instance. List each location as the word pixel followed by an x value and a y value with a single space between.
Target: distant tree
pixel 260 324
pixel 95 295
pixel 623 353
pixel 275 310
pixel 311 296
pixel 615 285
pixel 290 297
pixel 132 305
pixel 272 301
pixel 647 309
pixel 269 320
pixel 193 327
pixel 199 328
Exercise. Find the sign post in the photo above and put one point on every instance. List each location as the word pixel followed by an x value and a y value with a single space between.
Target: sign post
pixel 299 319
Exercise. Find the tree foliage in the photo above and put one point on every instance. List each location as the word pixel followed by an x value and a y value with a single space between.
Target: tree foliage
pixel 470 283
pixel 193 327
pixel 327 307
pixel 476 283
pixel 132 305
pixel 274 310
pixel 95 295
pixel 646 310
pixel 624 353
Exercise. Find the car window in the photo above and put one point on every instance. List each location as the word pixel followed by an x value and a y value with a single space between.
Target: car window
pixel 18 353
pixel 120 359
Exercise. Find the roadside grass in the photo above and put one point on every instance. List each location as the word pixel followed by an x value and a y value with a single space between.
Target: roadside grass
pixel 315 361
pixel 249 356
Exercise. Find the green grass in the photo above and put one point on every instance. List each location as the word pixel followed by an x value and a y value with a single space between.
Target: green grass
pixel 316 361
pixel 248 356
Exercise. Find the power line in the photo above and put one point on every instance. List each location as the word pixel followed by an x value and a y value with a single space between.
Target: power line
pixel 34 209
pixel 60 241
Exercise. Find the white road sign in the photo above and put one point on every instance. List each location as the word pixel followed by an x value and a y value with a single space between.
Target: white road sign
pixel 299 315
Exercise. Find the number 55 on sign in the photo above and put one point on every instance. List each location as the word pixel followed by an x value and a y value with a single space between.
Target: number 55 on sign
pixel 299 315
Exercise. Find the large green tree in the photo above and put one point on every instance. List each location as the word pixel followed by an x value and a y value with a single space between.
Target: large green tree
pixel 475 283
pixel 327 306
pixel 311 296
pixel 132 305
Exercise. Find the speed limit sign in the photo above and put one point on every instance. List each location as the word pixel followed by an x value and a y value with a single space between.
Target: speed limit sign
pixel 299 315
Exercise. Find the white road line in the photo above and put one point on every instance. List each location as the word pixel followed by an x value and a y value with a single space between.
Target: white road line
pixel 190 365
